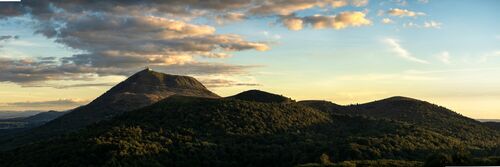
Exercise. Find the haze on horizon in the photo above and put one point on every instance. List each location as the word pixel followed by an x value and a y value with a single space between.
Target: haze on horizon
pixel 62 54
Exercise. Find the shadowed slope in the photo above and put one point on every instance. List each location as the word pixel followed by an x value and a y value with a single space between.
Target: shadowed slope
pixel 419 113
pixel 192 131
pixel 139 90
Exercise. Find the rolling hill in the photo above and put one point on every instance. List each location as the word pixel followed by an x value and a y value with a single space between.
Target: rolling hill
pixel 418 113
pixel 197 131
pixel 261 96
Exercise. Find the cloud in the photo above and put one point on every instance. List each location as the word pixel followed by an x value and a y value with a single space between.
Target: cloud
pixel 213 83
pixel 400 2
pixel 340 21
pixel 432 24
pixel 52 103
pixel 423 1
pixel 404 13
pixel 287 7
pixel 7 37
pixel 230 17
pixel 387 21
pixel 204 68
pixel 33 72
pixel 79 85
pixel 401 52
pixel 293 23
pixel 427 24
pixel 444 57
pixel 116 37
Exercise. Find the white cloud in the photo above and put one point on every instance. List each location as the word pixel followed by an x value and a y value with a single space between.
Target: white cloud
pixel 401 52
pixel 444 57
pixel 387 21
pixel 432 24
pixel 267 34
pixel 427 24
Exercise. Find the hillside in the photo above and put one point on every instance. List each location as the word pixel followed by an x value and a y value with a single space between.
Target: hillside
pixel 194 131
pixel 325 106
pixel 139 90
pixel 261 96
pixel 428 115
pixel 31 121
pixel 493 125
pixel 418 113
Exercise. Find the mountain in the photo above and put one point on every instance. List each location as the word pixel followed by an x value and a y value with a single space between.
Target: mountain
pixel 199 131
pixel 261 96
pixel 30 121
pixel 418 113
pixel 139 90
pixel 15 114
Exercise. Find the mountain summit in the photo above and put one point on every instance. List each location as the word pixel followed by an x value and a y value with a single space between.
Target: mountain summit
pixel 139 90
pixel 147 87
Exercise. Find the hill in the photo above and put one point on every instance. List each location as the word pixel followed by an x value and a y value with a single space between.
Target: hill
pixel 418 113
pixel 15 114
pixel 261 96
pixel 195 131
pixel 139 90
pixel 30 121
pixel 325 106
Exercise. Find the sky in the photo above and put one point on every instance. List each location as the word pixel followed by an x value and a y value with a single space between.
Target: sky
pixel 58 54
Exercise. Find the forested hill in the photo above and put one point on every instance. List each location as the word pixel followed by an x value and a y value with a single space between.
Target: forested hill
pixel 195 131
pixel 261 96
pixel 139 90
pixel 418 113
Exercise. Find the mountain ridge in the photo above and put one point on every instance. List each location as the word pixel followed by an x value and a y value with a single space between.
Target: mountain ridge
pixel 198 131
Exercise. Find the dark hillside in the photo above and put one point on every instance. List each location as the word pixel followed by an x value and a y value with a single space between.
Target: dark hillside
pixel 192 131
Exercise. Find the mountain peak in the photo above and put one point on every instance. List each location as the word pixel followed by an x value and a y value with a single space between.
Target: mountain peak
pixel 149 77
pixel 147 86
pixel 261 96
pixel 139 90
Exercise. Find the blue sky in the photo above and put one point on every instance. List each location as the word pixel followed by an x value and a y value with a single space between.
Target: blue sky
pixel 443 51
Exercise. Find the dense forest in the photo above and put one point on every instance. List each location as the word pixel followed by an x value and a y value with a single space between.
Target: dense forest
pixel 196 131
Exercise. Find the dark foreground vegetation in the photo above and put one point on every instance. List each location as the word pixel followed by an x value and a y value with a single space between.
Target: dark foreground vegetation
pixel 194 131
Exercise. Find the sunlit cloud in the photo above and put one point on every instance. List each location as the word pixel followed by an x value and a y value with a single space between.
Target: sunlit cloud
pixel 404 13
pixel 340 21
